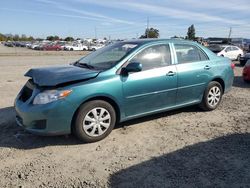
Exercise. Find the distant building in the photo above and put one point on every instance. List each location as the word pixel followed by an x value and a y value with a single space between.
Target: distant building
pixel 241 42
pixel 215 40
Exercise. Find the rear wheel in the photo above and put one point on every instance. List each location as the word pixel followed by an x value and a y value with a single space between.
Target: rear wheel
pixel 95 120
pixel 212 96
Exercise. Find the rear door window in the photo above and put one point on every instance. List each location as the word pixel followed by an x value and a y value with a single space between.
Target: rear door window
pixel 189 53
pixel 235 48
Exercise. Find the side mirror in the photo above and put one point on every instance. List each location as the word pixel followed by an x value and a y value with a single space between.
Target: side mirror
pixel 132 67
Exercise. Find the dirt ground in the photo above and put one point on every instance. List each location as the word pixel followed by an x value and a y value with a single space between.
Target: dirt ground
pixel 181 148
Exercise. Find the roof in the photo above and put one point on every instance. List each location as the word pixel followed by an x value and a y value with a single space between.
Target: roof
pixel 145 41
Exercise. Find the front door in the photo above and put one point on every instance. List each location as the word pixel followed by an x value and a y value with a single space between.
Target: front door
pixel 154 88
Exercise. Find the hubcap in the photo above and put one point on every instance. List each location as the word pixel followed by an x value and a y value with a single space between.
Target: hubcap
pixel 96 122
pixel 214 96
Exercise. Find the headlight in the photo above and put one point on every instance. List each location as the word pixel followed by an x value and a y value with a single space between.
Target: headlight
pixel 50 96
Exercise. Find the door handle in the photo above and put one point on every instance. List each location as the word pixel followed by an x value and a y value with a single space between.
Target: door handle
pixel 170 73
pixel 207 67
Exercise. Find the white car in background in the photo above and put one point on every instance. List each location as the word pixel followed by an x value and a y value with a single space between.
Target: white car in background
pixel 229 51
pixel 96 47
pixel 33 46
pixel 75 47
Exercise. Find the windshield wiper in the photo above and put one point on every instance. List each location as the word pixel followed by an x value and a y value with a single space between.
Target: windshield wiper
pixel 84 65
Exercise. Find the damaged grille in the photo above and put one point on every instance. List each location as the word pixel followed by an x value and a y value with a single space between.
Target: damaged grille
pixel 27 91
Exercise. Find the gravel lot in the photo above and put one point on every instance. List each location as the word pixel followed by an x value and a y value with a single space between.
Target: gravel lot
pixel 181 148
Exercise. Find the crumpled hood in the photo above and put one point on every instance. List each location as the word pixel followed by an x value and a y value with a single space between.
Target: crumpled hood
pixel 52 76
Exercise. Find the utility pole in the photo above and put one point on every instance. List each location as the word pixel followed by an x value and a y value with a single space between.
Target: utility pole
pixel 147 26
pixel 95 33
pixel 230 32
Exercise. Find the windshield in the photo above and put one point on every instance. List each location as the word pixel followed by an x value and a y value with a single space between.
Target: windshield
pixel 108 56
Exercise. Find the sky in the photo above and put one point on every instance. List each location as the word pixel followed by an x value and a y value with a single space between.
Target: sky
pixel 124 19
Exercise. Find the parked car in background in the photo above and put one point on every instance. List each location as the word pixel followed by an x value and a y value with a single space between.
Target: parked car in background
pixel 40 46
pixel 9 44
pixel 95 47
pixel 244 58
pixel 119 82
pixel 28 44
pixel 19 44
pixel 75 47
pixel 246 72
pixel 53 47
pixel 229 51
pixel 34 45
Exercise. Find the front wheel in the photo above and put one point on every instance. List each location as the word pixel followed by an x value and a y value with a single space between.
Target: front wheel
pixel 212 96
pixel 95 120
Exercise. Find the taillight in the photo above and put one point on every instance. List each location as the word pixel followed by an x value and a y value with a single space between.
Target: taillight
pixel 232 65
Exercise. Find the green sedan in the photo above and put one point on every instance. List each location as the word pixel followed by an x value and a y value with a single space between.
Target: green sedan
pixel 119 82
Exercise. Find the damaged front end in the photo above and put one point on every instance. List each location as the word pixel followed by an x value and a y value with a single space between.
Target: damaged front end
pixel 42 103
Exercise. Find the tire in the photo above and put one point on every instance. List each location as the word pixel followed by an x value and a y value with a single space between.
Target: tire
pixel 212 96
pixel 88 125
pixel 246 81
pixel 242 63
pixel 238 57
pixel 71 49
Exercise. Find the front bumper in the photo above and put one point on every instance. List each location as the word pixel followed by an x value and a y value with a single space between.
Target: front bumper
pixel 54 118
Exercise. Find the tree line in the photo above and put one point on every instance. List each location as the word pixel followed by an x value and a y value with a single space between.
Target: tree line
pixel 154 33
pixel 16 37
pixel 149 33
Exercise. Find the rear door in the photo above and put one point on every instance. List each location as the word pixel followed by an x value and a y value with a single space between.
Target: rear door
pixel 194 71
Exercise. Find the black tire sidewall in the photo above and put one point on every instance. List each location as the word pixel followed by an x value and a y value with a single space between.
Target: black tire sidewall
pixel 82 112
pixel 238 57
pixel 205 104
